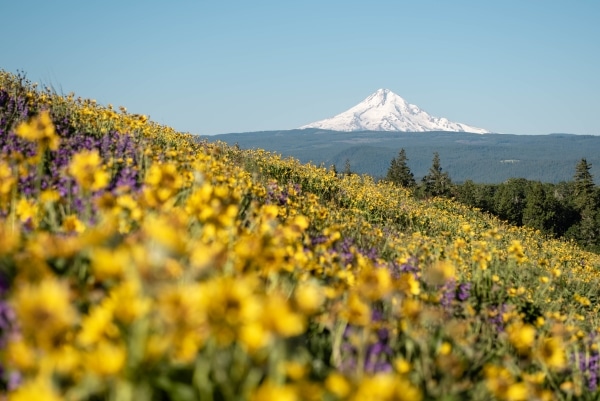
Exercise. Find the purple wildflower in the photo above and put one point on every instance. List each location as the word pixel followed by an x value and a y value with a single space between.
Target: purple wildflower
pixel 448 293
pixel 496 316
pixel 463 292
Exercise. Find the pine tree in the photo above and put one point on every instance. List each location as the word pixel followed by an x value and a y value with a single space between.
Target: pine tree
pixel 538 213
pixel 585 200
pixel 347 169
pixel 583 196
pixel 436 182
pixel 399 173
pixel 510 200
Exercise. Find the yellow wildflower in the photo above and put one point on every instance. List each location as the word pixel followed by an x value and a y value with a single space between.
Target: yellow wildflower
pixel 130 303
pixel 534 378
pixel 338 385
pixel 98 325
pixel 27 210
pixel 503 385
pixel 20 355
pixel 481 255
pixel 294 370
pixel 155 347
pixel 40 129
pixel 517 392
pixel 401 365
pixel 49 196
pixel 374 283
pixel 46 305
pixel 280 318
pixel 408 284
pixel 72 224
pixel 106 359
pixel 164 180
pixel 309 297
pixel 445 348
pixel 516 251
pixel 521 336
pixel 65 359
pixel 411 309
pixel 582 300
pixel 254 336
pixel 357 311
pixel 9 238
pixel 385 386
pixel 269 392
pixel 86 169
pixel 40 389
pixel 185 345
pixel 7 179
pixel 551 352
pixel 109 264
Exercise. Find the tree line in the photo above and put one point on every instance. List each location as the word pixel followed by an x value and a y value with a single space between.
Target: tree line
pixel 567 210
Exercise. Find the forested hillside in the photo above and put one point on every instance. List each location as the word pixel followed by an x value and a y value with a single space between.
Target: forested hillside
pixel 489 158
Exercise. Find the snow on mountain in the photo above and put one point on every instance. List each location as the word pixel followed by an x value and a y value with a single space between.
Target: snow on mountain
pixel 386 111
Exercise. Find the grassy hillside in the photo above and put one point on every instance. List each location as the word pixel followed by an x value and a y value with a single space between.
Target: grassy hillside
pixel 138 263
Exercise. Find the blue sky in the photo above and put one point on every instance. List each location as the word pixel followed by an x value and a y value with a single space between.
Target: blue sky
pixel 209 67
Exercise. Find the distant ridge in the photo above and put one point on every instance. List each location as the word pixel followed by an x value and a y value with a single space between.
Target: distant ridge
pixel 386 111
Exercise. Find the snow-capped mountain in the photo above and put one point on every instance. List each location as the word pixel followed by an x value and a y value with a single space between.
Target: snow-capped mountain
pixel 386 111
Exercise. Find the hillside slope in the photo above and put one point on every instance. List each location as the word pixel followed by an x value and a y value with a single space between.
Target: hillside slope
pixel 164 268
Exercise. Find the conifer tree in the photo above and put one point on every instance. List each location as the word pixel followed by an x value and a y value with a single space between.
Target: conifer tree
pixel 347 169
pixel 436 182
pixel 538 213
pixel 583 195
pixel 587 231
pixel 510 200
pixel 399 173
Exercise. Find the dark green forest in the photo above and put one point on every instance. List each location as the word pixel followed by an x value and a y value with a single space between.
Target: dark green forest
pixel 569 209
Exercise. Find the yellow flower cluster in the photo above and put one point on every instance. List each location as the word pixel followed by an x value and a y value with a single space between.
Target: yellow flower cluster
pixel 40 130
pixel 87 169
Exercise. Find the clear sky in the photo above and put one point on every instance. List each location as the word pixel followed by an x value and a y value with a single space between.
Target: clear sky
pixel 210 67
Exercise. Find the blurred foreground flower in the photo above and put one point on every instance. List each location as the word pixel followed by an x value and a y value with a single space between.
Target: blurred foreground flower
pixel 86 168
pixel 41 130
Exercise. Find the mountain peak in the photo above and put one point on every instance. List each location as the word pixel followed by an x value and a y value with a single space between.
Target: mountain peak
pixel 384 110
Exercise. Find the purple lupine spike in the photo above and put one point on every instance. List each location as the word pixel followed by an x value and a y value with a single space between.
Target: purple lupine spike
pixel 372 254
pixel 464 291
pixel 593 370
pixel 448 293
pixel 8 329
pixel 345 251
pixel 582 362
pixel 411 266
pixel 319 239
pixel 377 359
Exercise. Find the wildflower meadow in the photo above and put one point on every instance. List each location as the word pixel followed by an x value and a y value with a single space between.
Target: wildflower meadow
pixel 139 263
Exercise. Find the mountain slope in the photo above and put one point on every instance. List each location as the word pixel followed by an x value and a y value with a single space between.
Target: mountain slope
pixel 386 111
